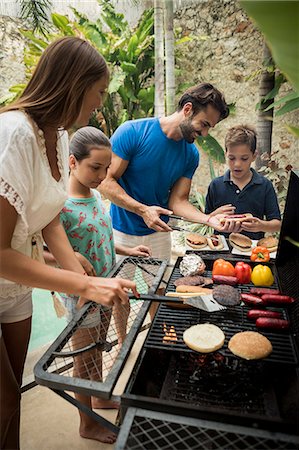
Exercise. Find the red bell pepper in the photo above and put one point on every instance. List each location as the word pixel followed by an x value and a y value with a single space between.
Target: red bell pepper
pixel 243 272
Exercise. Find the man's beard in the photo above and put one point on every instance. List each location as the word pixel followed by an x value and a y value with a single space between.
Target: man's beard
pixel 188 131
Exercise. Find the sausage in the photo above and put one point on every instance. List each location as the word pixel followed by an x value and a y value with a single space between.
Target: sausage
pixel 275 324
pixel 262 291
pixel 252 300
pixel 256 313
pixel 232 281
pixel 278 299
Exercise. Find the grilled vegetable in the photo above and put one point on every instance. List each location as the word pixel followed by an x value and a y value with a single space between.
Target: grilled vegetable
pixel 221 279
pixel 243 272
pixel 261 291
pixel 278 299
pixel 260 254
pixel 222 267
pixel 252 300
pixel 256 313
pixel 273 324
pixel 262 276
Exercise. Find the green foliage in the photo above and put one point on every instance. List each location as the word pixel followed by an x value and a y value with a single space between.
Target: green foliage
pixel 36 12
pixel 128 52
pixel 212 148
pixel 279 22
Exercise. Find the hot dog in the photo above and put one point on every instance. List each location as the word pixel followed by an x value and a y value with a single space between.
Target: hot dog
pixel 236 217
pixel 275 324
pixel 252 300
pixel 277 299
pixel 262 291
pixel 221 279
pixel 256 313
pixel 215 242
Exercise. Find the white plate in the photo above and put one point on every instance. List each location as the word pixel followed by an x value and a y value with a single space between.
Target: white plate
pixel 235 251
pixel 225 246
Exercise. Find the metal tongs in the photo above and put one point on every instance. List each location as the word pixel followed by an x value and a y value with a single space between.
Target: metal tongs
pixel 204 302
pixel 176 228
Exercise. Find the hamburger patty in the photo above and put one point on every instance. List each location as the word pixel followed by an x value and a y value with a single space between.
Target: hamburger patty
pixel 193 280
pixel 226 295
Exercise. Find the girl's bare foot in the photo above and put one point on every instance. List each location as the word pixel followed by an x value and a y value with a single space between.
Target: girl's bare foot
pixel 98 433
pixel 100 403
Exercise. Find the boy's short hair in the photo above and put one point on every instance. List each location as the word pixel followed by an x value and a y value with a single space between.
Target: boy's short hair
pixel 241 134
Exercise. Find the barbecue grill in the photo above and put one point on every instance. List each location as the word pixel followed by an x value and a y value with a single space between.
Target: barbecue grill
pixel 177 398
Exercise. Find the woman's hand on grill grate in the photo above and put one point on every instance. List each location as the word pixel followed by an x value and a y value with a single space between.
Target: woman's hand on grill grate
pixel 107 291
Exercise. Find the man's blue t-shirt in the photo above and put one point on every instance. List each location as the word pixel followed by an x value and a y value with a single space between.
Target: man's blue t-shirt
pixel 257 198
pixel 155 164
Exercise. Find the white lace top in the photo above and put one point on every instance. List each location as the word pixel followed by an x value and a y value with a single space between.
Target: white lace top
pixel 27 183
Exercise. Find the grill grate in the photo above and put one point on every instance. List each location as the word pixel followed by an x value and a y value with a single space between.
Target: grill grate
pixel 208 259
pixel 152 430
pixel 231 321
pixel 220 382
pixel 81 354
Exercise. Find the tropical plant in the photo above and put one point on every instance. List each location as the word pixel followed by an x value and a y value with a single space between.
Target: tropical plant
pixel 37 13
pixel 129 53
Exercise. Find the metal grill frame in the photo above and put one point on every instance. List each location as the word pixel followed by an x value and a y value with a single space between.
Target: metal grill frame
pixel 208 434
pixel 59 384
pixel 84 386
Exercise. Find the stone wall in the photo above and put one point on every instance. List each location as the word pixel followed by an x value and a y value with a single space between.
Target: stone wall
pixel 225 50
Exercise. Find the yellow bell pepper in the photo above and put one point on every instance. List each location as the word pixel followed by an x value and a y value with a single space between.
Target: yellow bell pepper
pixel 262 276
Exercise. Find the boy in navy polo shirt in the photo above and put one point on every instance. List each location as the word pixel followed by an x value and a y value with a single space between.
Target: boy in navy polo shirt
pixel 242 187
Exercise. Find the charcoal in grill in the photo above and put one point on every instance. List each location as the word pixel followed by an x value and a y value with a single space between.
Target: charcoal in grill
pixel 226 295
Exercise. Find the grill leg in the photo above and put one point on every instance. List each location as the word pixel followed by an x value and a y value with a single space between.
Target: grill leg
pixel 101 420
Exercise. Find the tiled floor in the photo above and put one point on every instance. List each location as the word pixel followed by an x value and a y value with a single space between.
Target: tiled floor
pixel 49 422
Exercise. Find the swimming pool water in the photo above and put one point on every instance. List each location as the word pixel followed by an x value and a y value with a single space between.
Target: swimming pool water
pixel 45 324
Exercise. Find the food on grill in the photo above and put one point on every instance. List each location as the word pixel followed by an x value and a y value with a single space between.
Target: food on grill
pixel 260 254
pixel 196 240
pixel 194 280
pixel 215 242
pixel 243 272
pixel 204 338
pixel 222 267
pixel 226 295
pixel 261 291
pixel 240 242
pixel 272 324
pixel 252 300
pixel 262 276
pixel 188 294
pixel 256 313
pixel 196 289
pixel 250 345
pixel 277 299
pixel 236 217
pixel 192 265
pixel 221 279
pixel 269 242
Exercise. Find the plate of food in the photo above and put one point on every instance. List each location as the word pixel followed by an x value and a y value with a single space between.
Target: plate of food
pixel 213 242
pixel 243 245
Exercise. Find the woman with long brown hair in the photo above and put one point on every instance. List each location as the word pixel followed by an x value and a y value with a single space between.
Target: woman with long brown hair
pixel 67 85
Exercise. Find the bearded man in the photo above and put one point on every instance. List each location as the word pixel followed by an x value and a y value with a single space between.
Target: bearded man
pixel 154 160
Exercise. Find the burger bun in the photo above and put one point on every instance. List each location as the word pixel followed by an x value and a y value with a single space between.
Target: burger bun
pixel 196 241
pixel 204 338
pixel 240 242
pixel 269 242
pixel 250 345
